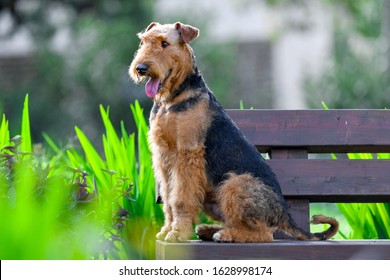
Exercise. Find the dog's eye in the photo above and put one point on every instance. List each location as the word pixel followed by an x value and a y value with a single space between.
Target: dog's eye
pixel 164 44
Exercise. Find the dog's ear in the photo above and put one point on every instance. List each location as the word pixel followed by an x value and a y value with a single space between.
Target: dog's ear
pixel 150 26
pixel 187 32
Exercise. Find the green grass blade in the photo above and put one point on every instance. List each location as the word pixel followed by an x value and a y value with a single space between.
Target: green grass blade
pixel 112 146
pixel 26 145
pixel 51 143
pixel 382 219
pixel 96 162
pixel 324 105
pixel 4 132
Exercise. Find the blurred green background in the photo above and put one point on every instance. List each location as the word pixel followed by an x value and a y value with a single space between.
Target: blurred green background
pixel 78 52
pixel 97 192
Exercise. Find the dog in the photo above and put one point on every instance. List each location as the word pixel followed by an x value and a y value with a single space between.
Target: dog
pixel 201 160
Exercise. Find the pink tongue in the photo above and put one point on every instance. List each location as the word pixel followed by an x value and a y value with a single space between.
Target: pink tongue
pixel 151 87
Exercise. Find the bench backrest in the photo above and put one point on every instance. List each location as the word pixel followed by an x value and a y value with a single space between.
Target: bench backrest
pixel 293 138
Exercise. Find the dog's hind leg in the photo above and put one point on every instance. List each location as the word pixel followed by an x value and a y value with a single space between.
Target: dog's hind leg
pixel 248 207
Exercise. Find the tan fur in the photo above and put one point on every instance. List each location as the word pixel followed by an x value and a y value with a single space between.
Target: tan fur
pixel 178 157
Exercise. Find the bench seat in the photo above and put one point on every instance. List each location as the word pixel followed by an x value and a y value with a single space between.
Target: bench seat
pixel 277 250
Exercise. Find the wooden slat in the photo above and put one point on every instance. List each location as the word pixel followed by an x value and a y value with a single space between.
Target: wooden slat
pixel 334 180
pixel 277 250
pixel 319 131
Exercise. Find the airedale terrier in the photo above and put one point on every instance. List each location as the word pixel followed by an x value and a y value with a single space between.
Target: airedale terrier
pixel 201 160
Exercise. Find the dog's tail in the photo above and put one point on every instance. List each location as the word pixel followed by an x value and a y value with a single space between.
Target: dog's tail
pixel 291 228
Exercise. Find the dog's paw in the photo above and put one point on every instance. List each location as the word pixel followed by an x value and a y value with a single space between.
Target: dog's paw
pixel 176 236
pixel 163 233
pixel 222 237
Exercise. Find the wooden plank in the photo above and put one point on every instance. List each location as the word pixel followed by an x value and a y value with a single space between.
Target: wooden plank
pixel 319 180
pixel 320 131
pixel 334 180
pixel 277 250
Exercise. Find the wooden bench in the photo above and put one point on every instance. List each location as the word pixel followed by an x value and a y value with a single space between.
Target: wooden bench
pixel 291 137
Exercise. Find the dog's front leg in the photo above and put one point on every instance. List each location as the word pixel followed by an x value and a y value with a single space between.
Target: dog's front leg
pixel 187 194
pixel 161 173
pixel 168 220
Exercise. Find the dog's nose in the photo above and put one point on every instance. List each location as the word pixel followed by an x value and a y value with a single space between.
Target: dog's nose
pixel 142 68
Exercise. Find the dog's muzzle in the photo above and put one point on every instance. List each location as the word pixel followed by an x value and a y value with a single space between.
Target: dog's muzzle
pixel 142 69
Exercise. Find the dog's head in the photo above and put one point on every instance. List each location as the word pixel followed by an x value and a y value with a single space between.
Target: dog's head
pixel 164 58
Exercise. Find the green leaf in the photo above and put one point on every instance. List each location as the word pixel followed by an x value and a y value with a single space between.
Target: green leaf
pixel 4 132
pixel 51 143
pixel 324 105
pixel 26 146
pixel 94 160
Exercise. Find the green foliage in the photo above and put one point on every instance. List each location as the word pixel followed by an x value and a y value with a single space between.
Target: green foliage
pixel 78 205
pixel 121 170
pixel 39 220
pixel 367 220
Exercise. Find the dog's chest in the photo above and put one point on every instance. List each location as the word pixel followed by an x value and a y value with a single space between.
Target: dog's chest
pixel 179 130
pixel 163 129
